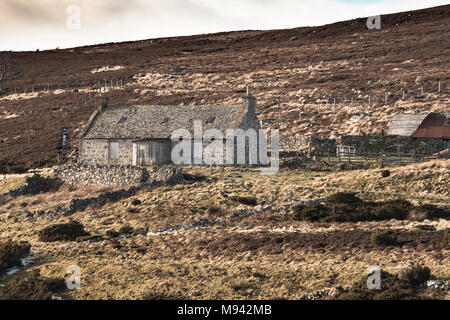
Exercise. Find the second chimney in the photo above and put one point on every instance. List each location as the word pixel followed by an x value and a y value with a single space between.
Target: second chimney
pixel 249 103
pixel 101 103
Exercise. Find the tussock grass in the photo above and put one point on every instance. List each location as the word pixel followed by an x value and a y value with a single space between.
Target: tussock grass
pixel 11 253
pixel 346 207
pixel 32 287
pixel 380 237
pixel 62 232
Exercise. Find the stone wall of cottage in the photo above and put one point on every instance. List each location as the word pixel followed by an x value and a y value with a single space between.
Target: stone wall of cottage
pixel 96 151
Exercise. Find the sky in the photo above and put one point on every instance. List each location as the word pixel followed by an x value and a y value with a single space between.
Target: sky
pixel 48 24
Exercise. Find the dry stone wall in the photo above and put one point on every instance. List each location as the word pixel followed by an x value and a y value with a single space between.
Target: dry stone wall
pixel 95 174
pixel 309 145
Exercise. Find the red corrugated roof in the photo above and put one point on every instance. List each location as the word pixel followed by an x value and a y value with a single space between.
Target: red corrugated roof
pixel 433 126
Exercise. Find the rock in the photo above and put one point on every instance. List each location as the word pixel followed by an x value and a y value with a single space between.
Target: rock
pixel 438 284
pixel 359 115
pixel 142 231
pixel 426 227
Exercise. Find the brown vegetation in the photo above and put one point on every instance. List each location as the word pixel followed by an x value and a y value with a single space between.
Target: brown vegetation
pixel 343 207
pixel 31 288
pixel 11 252
pixel 62 232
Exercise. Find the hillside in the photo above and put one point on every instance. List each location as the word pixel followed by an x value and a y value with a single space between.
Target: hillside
pixel 289 71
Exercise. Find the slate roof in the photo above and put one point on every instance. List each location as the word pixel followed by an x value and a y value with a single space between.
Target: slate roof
pixel 158 122
pixel 405 124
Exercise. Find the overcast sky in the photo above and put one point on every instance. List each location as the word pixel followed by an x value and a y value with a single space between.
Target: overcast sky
pixel 47 24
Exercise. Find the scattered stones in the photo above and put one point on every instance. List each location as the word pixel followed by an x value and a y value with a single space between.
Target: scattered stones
pixel 438 284
pixel 319 295
pixel 208 223
pixel 196 294
pixel 359 115
pixel 93 174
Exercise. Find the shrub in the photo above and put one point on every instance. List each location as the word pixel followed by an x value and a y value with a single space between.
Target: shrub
pixel 393 287
pixel 385 173
pixel 445 241
pixel 434 212
pixel 343 198
pixel 381 237
pixel 310 212
pixel 112 233
pixel 136 202
pixel 251 201
pixel 394 209
pixel 240 285
pixel 415 275
pixel 216 211
pixel 133 210
pixel 11 253
pixel 62 232
pixel 9 166
pixel 125 230
pixel 346 207
pixel 31 288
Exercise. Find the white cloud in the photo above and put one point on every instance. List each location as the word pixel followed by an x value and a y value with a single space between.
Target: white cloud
pixel 31 24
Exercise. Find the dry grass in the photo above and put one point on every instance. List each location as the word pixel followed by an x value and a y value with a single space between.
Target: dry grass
pixel 47 201
pixel 265 256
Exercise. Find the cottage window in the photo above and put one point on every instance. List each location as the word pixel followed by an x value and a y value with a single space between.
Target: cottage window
pixel 211 119
pixel 113 150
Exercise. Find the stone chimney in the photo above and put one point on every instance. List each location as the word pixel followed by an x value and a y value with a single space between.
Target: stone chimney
pixel 249 103
pixel 101 102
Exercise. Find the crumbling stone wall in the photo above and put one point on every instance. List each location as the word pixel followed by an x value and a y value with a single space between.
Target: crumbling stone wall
pixel 394 144
pixel 34 185
pixel 93 174
pixel 364 144
pixel 313 146
pixel 420 146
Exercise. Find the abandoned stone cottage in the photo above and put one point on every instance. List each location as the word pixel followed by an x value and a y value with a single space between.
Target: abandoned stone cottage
pixel 421 133
pixel 141 135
